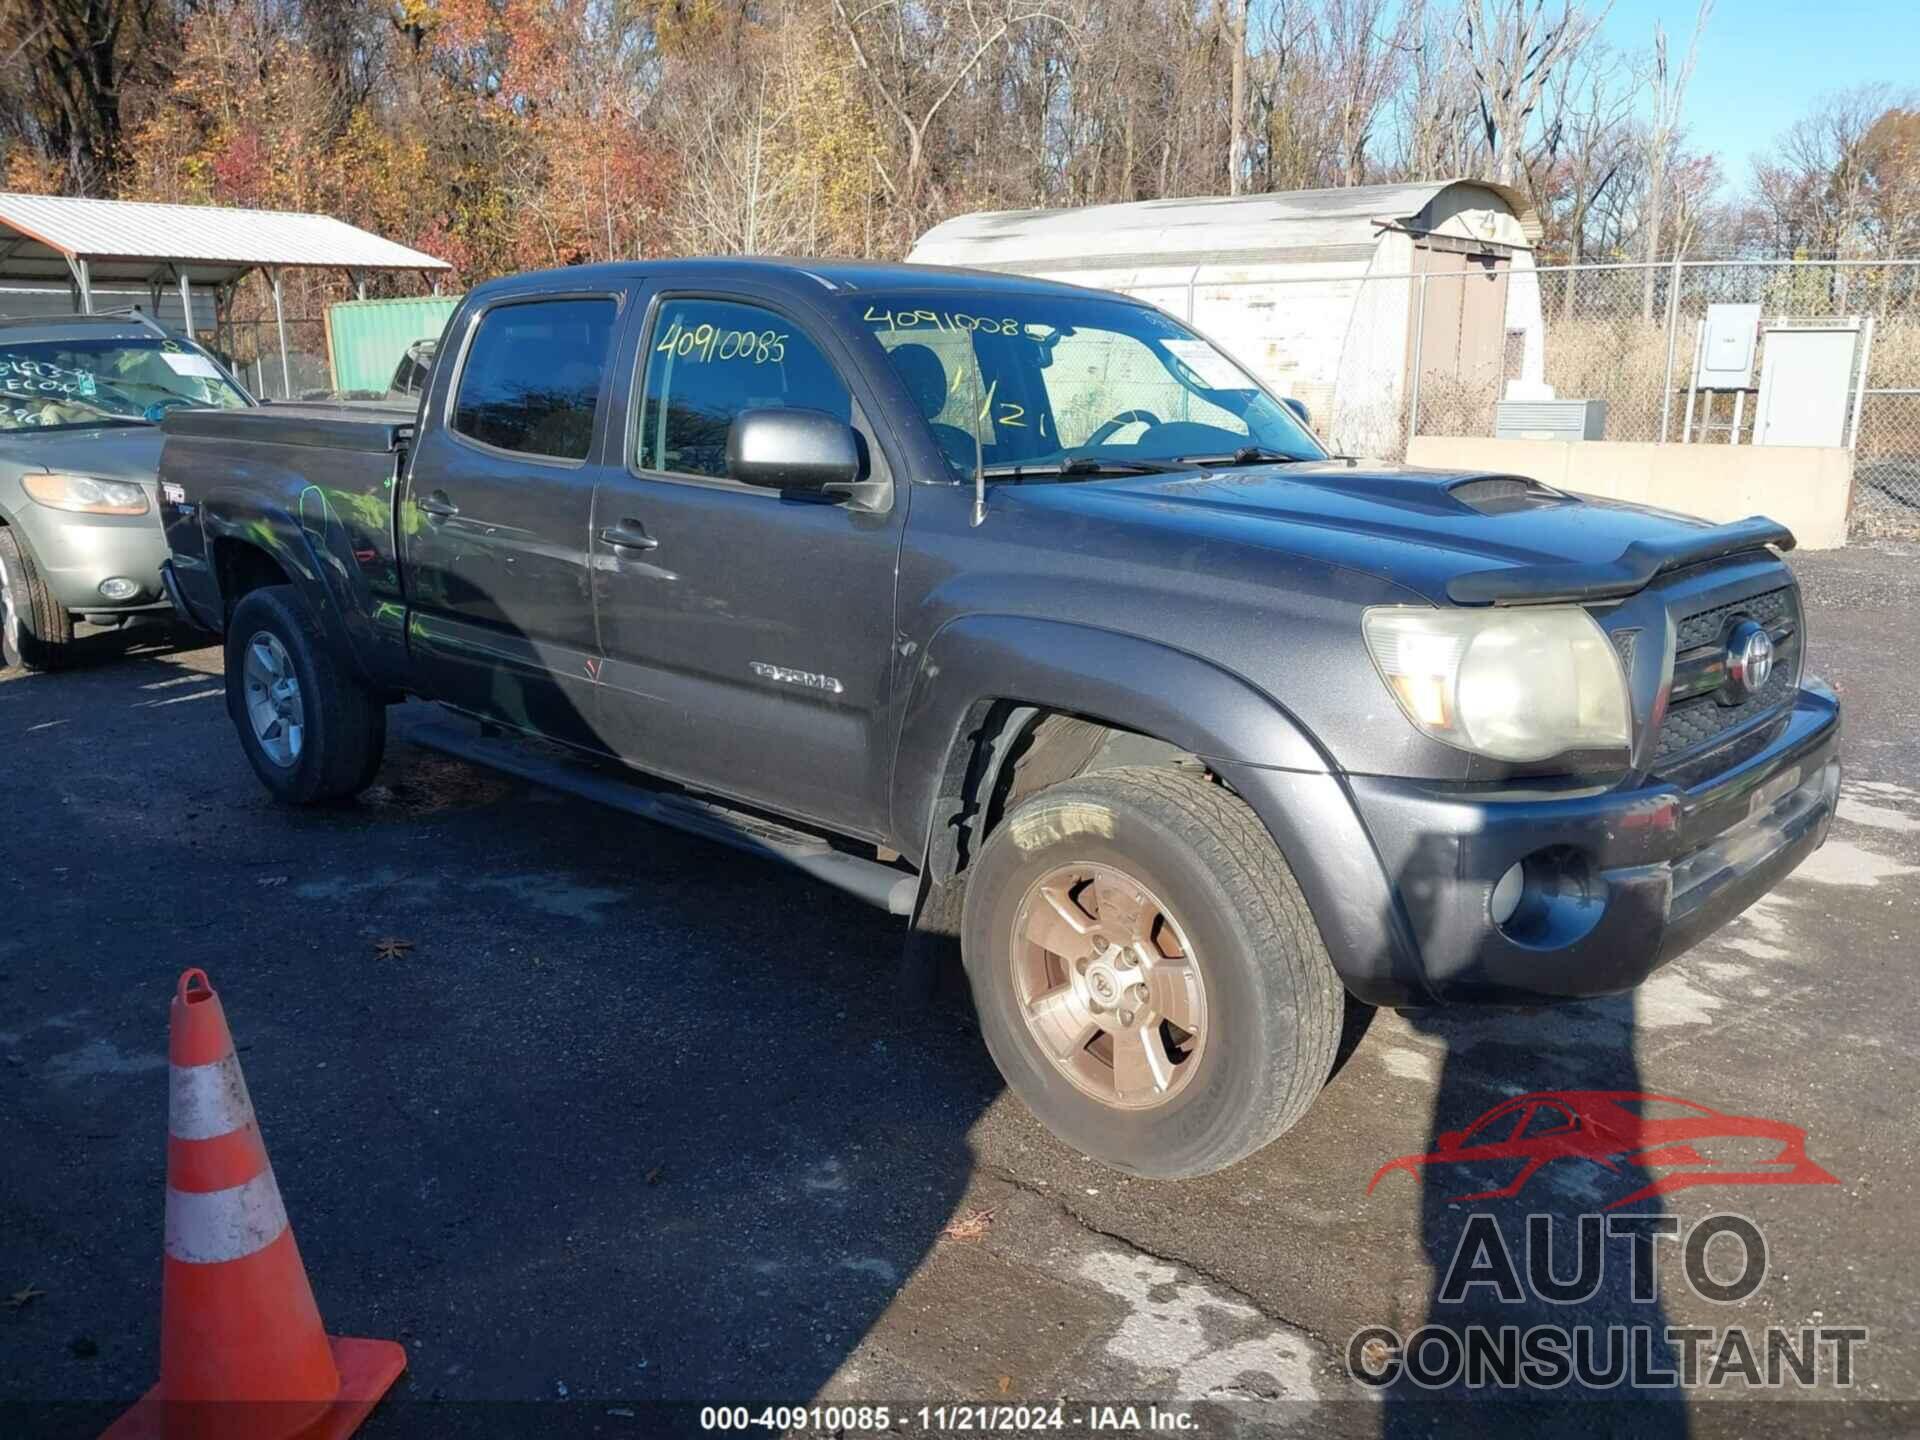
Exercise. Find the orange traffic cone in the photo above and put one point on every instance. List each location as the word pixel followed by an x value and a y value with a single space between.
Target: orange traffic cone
pixel 242 1352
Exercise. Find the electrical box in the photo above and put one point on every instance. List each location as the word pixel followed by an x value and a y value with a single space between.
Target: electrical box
pixel 1725 357
pixel 1806 383
pixel 1549 419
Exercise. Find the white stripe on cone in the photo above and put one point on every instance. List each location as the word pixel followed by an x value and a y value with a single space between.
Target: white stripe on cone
pixel 208 1227
pixel 208 1100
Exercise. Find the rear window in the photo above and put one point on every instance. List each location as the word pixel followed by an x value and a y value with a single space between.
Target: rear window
pixel 531 381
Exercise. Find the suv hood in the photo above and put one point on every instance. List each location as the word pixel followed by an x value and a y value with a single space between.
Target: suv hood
pixel 112 452
pixel 1454 537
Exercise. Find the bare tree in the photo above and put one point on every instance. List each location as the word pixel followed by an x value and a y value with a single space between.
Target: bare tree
pixel 1589 149
pixel 1363 57
pixel 1513 48
pixel 916 57
pixel 1845 179
pixel 1237 124
pixel 1668 88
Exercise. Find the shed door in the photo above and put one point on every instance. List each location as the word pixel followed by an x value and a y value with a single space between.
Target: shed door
pixel 1463 337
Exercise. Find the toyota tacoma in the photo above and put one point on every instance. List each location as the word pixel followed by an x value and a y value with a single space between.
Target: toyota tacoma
pixel 1023 611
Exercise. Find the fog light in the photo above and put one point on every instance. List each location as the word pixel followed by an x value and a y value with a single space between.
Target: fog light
pixel 119 588
pixel 1506 895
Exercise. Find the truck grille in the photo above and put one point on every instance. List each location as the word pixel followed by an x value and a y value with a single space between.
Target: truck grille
pixel 1706 627
pixel 1696 721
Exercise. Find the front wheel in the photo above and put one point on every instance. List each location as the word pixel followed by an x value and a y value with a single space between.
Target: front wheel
pixel 310 730
pixel 1148 976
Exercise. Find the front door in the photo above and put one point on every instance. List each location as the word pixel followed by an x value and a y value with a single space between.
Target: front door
pixel 496 517
pixel 747 635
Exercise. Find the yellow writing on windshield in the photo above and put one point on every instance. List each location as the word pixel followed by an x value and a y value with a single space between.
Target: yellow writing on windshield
pixel 941 320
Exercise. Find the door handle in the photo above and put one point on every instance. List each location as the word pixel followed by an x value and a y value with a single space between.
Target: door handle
pixel 438 507
pixel 629 535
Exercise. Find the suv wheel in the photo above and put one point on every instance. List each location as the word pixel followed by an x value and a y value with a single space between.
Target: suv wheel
pixel 1148 976
pixel 36 632
pixel 311 731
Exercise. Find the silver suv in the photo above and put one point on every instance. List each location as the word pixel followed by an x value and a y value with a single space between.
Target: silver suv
pixel 80 403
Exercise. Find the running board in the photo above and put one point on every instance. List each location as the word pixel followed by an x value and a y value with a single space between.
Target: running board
pixel 885 886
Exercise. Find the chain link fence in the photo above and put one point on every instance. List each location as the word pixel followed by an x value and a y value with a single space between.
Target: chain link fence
pixel 252 349
pixel 1398 356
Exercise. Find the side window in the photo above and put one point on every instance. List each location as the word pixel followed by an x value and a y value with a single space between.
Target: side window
pixel 531 381
pixel 708 360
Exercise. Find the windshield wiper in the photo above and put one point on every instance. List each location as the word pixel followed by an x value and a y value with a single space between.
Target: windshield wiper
pixel 1249 455
pixel 1075 465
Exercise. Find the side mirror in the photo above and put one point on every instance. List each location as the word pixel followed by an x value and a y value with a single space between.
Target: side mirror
pixel 1449 1140
pixel 792 450
pixel 1299 409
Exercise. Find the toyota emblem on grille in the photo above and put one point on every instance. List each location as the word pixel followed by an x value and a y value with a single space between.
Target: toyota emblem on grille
pixel 1749 662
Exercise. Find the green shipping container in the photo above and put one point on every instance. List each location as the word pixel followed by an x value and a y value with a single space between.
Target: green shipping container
pixel 366 338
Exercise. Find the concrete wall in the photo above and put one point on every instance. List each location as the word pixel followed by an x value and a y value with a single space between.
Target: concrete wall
pixel 1804 488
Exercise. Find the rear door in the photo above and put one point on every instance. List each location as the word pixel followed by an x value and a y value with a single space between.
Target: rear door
pixel 495 521
pixel 747 635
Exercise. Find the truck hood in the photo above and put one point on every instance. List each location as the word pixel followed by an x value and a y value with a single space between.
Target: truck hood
pixel 112 452
pixel 1454 537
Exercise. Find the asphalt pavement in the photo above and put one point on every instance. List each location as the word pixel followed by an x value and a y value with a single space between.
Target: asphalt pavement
pixel 592 1115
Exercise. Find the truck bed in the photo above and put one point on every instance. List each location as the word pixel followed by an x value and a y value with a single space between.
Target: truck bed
pixel 374 427
pixel 332 470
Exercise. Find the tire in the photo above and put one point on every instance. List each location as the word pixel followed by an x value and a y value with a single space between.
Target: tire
pixel 36 632
pixel 341 727
pixel 1267 1027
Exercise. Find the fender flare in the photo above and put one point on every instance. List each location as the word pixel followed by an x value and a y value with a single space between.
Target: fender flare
pixel 975 661
pixel 323 577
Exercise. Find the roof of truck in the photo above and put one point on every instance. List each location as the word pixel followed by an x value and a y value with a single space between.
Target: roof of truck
pixel 832 275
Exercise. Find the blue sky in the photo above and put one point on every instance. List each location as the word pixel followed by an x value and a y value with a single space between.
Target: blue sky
pixel 1764 62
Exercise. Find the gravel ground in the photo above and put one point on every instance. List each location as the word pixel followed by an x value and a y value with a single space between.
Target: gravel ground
pixel 632 1119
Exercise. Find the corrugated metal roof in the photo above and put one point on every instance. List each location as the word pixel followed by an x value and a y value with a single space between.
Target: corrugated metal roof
pixel 129 239
pixel 1343 219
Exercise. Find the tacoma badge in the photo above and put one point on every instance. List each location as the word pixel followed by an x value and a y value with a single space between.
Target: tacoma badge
pixel 796 677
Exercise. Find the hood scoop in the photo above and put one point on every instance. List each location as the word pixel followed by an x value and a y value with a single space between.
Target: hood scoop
pixel 1506 494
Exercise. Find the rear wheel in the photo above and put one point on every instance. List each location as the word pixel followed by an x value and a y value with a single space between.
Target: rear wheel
pixel 311 731
pixel 36 632
pixel 1148 976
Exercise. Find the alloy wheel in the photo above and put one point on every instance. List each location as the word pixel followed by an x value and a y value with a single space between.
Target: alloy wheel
pixel 274 705
pixel 1109 986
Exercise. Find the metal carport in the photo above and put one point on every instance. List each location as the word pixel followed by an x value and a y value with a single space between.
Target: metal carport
pixel 94 242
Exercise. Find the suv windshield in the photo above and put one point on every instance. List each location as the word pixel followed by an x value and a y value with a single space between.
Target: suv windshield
pixel 1067 385
pixel 65 384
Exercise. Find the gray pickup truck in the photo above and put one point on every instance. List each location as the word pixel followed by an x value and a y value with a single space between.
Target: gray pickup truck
pixel 1023 611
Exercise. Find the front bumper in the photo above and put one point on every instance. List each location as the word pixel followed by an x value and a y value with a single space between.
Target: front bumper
pixel 1620 881
pixel 75 553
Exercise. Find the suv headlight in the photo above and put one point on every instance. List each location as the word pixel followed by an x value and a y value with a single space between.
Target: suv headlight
pixel 86 494
pixel 1518 684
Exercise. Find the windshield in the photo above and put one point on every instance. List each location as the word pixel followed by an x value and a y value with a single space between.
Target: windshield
pixel 65 384
pixel 1044 382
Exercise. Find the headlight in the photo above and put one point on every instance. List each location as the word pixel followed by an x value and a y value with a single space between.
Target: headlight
pixel 86 494
pixel 1520 684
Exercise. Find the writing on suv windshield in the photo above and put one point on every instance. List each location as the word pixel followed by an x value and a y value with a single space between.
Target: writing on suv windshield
pixel 64 384
pixel 1051 386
